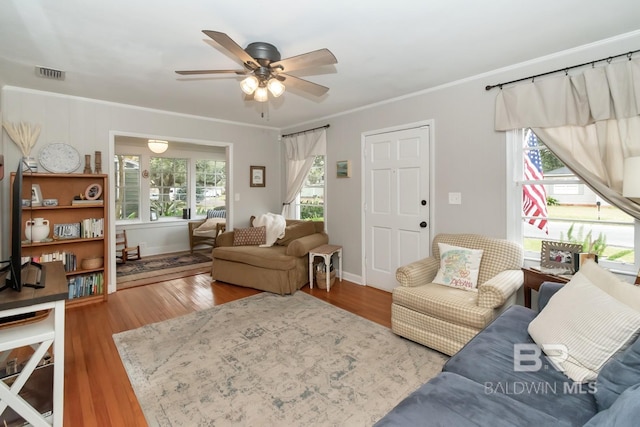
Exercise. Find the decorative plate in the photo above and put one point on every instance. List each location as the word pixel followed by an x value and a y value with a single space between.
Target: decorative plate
pixel 59 158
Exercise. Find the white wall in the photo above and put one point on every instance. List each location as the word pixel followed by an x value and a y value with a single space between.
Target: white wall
pixel 470 156
pixel 87 125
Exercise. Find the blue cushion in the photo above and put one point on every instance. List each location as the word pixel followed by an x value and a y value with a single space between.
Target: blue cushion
pixel 620 373
pixel 452 400
pixel 217 213
pixel 489 359
pixel 625 411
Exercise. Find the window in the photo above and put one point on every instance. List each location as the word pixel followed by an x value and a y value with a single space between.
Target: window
pixel 168 188
pixel 127 187
pixel 548 202
pixel 210 185
pixel 310 202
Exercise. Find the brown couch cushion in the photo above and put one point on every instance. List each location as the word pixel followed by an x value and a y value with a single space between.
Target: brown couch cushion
pixel 296 230
pixel 249 236
pixel 273 258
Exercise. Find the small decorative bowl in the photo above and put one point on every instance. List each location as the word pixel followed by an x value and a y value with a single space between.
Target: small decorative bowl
pixel 91 263
pixel 26 203
pixel 50 202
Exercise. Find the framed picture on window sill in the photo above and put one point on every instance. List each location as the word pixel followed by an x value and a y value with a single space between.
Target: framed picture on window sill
pixel 257 176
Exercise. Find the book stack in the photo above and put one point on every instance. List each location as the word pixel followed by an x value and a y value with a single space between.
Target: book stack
pixel 92 227
pixel 87 203
pixel 86 285
pixel 68 259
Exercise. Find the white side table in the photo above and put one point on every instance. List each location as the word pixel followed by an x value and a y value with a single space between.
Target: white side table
pixel 326 252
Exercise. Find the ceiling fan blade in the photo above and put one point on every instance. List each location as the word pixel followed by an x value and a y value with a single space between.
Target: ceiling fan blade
pixel 306 85
pixel 227 42
pixel 316 58
pixel 190 72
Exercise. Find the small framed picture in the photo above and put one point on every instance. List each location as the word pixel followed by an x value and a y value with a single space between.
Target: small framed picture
pixel 66 231
pixel 93 192
pixel 343 169
pixel 559 255
pixel 36 195
pixel 153 216
pixel 257 176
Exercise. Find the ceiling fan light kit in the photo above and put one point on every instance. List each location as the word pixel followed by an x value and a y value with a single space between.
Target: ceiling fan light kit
pixel 249 85
pixel 158 146
pixel 265 70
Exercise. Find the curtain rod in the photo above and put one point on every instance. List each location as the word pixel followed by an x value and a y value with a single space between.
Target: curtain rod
pixel 565 69
pixel 305 131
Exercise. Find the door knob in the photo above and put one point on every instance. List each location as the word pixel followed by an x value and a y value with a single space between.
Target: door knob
pixel 423 224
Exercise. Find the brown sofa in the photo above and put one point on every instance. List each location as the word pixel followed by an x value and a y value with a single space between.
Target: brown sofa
pixel 282 268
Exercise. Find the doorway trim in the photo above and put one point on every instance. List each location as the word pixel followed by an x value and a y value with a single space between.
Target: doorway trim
pixel 431 124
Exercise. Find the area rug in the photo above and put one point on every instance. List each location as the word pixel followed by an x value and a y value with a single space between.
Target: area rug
pixel 270 360
pixel 160 267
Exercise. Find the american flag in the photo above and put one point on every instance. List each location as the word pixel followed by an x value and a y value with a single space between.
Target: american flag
pixel 534 196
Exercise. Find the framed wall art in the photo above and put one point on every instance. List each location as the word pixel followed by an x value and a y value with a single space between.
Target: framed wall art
pixel 257 176
pixel 343 169
pixel 559 255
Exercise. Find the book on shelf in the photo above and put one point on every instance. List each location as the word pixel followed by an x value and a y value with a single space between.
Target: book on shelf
pixel 68 259
pixel 92 227
pixel 86 285
pixel 87 202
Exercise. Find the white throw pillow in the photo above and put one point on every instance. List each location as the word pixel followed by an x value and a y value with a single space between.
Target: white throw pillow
pixel 624 292
pixel 590 324
pixel 459 267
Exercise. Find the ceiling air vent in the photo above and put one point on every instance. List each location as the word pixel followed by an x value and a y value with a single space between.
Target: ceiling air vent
pixel 49 73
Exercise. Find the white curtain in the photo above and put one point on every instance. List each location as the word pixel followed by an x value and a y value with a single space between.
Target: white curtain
pixel 590 121
pixel 301 150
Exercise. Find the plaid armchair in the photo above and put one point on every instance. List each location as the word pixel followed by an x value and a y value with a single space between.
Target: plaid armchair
pixel 446 318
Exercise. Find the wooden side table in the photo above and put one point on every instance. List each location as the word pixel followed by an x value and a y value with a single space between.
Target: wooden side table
pixel 326 252
pixel 533 279
pixel 41 335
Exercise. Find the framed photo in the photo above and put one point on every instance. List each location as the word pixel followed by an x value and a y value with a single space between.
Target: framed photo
pixel 36 195
pixel 558 255
pixel 93 192
pixel 343 169
pixel 154 216
pixel 66 231
pixel 257 176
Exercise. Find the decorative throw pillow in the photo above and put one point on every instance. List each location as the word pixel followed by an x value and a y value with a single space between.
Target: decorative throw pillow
pixel 209 224
pixel 459 267
pixel 624 292
pixel 588 324
pixel 250 236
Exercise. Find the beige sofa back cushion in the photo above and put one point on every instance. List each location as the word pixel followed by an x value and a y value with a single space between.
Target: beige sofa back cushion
pixel 498 255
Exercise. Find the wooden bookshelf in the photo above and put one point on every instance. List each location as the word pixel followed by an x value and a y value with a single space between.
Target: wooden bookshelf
pixel 64 187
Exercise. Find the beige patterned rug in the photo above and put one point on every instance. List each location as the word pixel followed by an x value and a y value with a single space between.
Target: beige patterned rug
pixel 270 360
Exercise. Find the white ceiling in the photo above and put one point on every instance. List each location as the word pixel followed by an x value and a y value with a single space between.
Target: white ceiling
pixel 127 51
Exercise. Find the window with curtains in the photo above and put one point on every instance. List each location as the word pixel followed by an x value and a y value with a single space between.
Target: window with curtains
pixel 549 202
pixel 310 200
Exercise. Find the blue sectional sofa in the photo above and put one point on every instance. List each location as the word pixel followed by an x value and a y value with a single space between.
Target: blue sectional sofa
pixel 482 386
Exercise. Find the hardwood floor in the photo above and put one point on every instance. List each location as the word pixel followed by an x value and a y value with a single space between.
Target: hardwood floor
pixel 97 389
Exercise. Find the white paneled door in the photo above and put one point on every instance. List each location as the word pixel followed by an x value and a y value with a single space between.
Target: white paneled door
pixel 396 203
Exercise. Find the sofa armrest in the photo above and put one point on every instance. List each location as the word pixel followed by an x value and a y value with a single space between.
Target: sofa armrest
pixel 418 273
pixel 546 291
pixel 302 245
pixel 494 292
pixel 225 239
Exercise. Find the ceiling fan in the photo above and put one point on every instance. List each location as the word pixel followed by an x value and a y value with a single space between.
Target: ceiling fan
pixel 265 70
